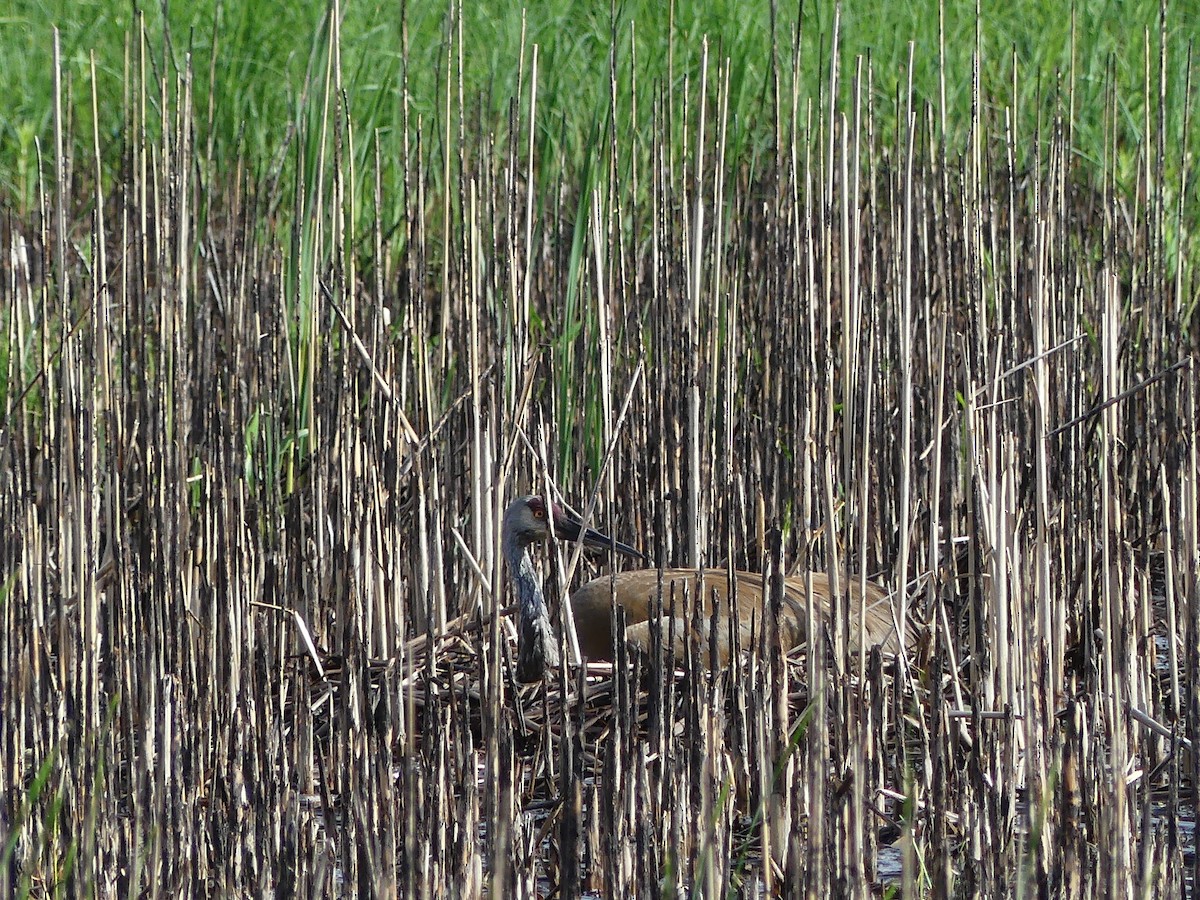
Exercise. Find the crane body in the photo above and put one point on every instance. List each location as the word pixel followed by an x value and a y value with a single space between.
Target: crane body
pixel 639 595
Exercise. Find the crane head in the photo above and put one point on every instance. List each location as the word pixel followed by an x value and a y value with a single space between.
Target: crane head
pixel 527 518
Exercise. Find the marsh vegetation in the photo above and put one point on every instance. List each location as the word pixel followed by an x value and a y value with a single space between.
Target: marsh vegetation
pixel 277 351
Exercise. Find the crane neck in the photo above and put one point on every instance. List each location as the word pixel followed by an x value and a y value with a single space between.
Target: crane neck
pixel 537 645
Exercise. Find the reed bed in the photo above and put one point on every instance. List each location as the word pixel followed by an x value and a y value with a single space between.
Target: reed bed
pixel 256 631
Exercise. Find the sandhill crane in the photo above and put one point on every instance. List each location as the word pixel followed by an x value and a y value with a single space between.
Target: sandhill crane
pixel 526 521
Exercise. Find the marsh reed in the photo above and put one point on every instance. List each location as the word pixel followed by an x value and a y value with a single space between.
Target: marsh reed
pixel 254 625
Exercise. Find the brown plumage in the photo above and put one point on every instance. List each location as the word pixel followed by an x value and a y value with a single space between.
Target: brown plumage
pixel 635 593
pixel 526 521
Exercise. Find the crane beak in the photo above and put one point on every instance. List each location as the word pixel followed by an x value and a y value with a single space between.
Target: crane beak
pixel 568 528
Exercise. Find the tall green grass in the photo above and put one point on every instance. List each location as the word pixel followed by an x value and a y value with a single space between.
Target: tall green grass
pixel 257 69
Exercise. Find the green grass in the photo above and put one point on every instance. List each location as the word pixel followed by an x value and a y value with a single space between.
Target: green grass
pixel 266 73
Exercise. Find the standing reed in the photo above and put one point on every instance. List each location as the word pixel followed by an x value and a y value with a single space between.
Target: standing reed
pixel 255 630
